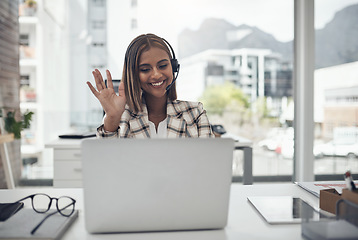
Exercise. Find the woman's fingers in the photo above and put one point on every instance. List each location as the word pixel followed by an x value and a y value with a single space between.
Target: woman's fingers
pixel 101 85
pixel 109 79
pixel 121 88
pixel 100 77
pixel 93 90
pixel 97 80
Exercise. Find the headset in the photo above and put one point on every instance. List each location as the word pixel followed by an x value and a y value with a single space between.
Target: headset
pixel 174 62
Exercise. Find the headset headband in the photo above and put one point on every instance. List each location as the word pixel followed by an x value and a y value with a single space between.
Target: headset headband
pixel 174 61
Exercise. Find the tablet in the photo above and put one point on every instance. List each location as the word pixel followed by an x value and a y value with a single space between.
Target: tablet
pixel 281 209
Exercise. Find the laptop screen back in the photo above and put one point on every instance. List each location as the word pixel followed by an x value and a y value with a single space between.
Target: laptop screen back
pixel 133 185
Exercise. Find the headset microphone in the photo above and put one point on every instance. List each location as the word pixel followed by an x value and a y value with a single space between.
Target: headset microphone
pixel 169 86
pixel 176 66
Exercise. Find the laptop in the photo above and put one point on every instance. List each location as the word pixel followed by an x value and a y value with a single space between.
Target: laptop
pixel 140 185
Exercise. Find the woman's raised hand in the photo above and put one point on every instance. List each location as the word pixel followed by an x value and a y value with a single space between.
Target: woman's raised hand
pixel 112 103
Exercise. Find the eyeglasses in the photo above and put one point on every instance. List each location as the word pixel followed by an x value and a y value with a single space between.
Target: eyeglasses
pixel 41 203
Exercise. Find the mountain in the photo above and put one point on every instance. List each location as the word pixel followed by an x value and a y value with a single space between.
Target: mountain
pixel 220 34
pixel 211 34
pixel 335 44
pixel 256 38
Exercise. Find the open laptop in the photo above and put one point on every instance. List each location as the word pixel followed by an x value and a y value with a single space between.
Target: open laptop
pixel 136 185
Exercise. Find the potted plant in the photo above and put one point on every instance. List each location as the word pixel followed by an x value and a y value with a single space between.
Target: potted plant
pixel 14 126
pixel 30 7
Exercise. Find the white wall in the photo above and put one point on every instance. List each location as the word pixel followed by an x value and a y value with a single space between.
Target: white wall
pixel 339 76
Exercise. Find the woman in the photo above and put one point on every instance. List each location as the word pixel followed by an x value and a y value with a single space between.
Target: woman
pixel 146 105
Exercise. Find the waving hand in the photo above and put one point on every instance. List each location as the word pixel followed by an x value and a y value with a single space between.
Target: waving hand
pixel 112 103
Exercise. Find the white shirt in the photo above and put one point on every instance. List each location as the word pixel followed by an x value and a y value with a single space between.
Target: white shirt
pixel 162 129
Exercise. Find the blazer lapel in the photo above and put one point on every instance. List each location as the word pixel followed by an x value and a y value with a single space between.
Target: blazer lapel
pixel 176 124
pixel 139 125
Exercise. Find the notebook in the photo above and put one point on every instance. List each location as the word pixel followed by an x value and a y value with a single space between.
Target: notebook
pixel 137 185
pixel 281 209
pixel 20 225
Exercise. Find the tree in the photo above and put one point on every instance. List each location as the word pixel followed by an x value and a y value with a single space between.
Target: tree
pixel 218 98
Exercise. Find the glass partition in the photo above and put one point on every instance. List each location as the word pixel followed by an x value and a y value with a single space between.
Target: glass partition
pixel 236 57
pixel 336 88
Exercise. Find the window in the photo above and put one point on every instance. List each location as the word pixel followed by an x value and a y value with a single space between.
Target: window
pixel 24 80
pixel 24 39
pixel 134 23
pixel 97 66
pixel 252 48
pixel 99 3
pixel 336 89
pixel 134 3
pixel 98 24
pixel 98 44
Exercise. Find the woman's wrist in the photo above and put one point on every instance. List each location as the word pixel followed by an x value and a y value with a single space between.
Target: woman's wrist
pixel 101 133
pixel 110 124
pixel 110 129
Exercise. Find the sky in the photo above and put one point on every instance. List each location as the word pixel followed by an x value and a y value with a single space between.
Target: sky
pixel 170 17
pixel 167 18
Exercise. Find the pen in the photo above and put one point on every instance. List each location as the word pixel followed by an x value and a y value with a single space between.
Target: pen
pixel 349 181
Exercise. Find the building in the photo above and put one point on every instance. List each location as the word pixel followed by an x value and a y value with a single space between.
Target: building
pixel 61 43
pixel 258 72
pixel 44 85
pixel 336 97
pixel 100 32
pixel 87 51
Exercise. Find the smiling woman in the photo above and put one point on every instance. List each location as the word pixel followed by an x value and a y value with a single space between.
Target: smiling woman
pixel 155 73
pixel 146 105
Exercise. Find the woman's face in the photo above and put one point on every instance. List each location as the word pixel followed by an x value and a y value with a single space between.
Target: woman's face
pixel 155 71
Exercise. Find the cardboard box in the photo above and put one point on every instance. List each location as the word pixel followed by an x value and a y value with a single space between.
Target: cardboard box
pixel 349 209
pixel 328 199
pixel 350 195
pixel 333 227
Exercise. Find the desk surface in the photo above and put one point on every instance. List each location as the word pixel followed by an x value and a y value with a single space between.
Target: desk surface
pixel 244 221
pixel 76 143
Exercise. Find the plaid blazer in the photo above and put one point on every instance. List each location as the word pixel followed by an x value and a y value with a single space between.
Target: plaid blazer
pixel 184 119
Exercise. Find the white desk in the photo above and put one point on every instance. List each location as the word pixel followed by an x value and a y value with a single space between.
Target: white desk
pixel 68 167
pixel 245 145
pixel 244 221
pixel 66 163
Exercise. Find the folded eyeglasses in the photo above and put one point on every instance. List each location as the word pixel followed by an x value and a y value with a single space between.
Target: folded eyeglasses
pixel 41 203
